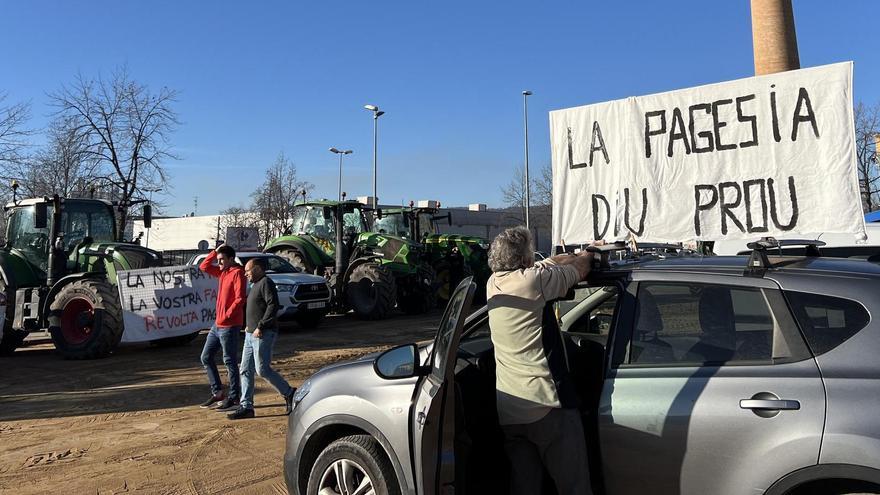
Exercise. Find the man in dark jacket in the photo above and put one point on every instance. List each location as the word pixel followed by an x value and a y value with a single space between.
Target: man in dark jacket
pixel 231 293
pixel 262 330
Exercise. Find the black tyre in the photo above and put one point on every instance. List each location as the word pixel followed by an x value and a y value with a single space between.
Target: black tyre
pixel 370 291
pixel 297 259
pixel 420 294
pixel 179 341
pixel 10 339
pixel 448 280
pixel 85 319
pixel 354 464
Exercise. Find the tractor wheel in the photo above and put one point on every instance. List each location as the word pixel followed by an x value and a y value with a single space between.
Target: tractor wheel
pixel 421 292
pixel 10 339
pixel 445 283
pixel 85 319
pixel 296 258
pixel 370 291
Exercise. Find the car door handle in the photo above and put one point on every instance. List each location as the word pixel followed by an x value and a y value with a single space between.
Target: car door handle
pixel 770 404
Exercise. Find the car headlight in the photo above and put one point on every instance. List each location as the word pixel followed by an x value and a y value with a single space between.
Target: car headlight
pixel 302 392
pixel 284 287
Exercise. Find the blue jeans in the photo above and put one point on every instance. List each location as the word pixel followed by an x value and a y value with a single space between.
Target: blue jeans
pixel 227 340
pixel 257 356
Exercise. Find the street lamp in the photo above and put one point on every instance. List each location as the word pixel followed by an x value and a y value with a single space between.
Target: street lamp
pixel 526 94
pixel 376 114
pixel 341 153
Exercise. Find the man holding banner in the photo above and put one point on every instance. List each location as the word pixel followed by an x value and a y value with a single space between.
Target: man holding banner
pixel 231 293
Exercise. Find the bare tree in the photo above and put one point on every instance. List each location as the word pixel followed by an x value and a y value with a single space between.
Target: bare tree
pixel 867 124
pixel 13 133
pixel 62 167
pixel 126 129
pixel 274 199
pixel 540 192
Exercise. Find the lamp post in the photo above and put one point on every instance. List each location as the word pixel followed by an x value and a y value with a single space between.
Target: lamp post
pixel 376 114
pixel 526 94
pixel 341 154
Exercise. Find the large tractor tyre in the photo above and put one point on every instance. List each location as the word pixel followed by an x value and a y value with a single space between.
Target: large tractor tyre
pixel 10 339
pixel 297 259
pixel 353 464
pixel 421 293
pixel 179 341
pixel 370 291
pixel 445 283
pixel 85 320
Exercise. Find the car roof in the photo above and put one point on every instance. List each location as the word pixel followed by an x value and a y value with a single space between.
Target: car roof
pixel 728 265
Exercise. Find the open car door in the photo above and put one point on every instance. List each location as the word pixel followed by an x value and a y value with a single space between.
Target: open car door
pixel 433 414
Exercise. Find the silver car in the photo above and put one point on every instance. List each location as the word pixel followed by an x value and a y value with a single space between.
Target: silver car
pixel 698 376
pixel 302 297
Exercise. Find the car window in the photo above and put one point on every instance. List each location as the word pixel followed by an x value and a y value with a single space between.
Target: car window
pixel 590 313
pixel 684 324
pixel 277 264
pixel 825 320
pixel 447 329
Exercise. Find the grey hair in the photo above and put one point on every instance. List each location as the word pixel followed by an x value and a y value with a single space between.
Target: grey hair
pixel 512 250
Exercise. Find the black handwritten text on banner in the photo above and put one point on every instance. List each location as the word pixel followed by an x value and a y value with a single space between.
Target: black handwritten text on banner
pixel 166 302
pixel 768 155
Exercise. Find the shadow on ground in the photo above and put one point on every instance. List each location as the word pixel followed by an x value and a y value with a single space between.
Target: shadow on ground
pixel 36 383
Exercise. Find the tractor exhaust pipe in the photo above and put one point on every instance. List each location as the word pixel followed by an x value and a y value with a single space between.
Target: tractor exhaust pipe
pixel 56 249
pixel 340 245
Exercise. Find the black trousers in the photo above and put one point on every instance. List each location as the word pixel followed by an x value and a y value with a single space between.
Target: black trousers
pixel 555 442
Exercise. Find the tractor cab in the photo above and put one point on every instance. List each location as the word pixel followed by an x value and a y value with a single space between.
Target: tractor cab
pixel 83 221
pixel 319 220
pixel 414 223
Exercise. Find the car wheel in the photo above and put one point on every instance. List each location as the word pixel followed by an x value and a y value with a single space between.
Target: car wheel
pixel 352 465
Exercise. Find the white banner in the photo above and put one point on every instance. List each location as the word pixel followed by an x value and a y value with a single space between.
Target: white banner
pixel 166 302
pixel 770 155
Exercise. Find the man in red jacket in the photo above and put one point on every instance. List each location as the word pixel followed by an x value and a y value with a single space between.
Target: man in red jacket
pixel 231 295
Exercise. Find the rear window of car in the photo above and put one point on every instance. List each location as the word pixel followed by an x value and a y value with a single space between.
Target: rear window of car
pixel 827 321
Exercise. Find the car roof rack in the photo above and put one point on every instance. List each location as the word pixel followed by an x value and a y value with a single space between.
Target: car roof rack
pixel 759 262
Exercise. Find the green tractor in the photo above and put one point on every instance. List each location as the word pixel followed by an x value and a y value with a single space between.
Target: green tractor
pixel 452 256
pixel 370 273
pixel 58 270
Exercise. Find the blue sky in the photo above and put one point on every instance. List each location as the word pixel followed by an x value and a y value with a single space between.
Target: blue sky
pixel 258 78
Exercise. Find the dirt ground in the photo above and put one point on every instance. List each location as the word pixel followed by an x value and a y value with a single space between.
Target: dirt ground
pixel 131 423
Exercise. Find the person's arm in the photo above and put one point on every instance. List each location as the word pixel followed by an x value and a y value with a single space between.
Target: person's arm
pixel 269 294
pixel 582 261
pixel 239 294
pixel 207 265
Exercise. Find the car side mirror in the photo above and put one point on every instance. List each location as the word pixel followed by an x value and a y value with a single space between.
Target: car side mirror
pixel 41 215
pixel 398 362
pixel 379 213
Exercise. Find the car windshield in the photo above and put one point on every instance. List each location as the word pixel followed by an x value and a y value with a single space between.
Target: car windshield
pixel 274 264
